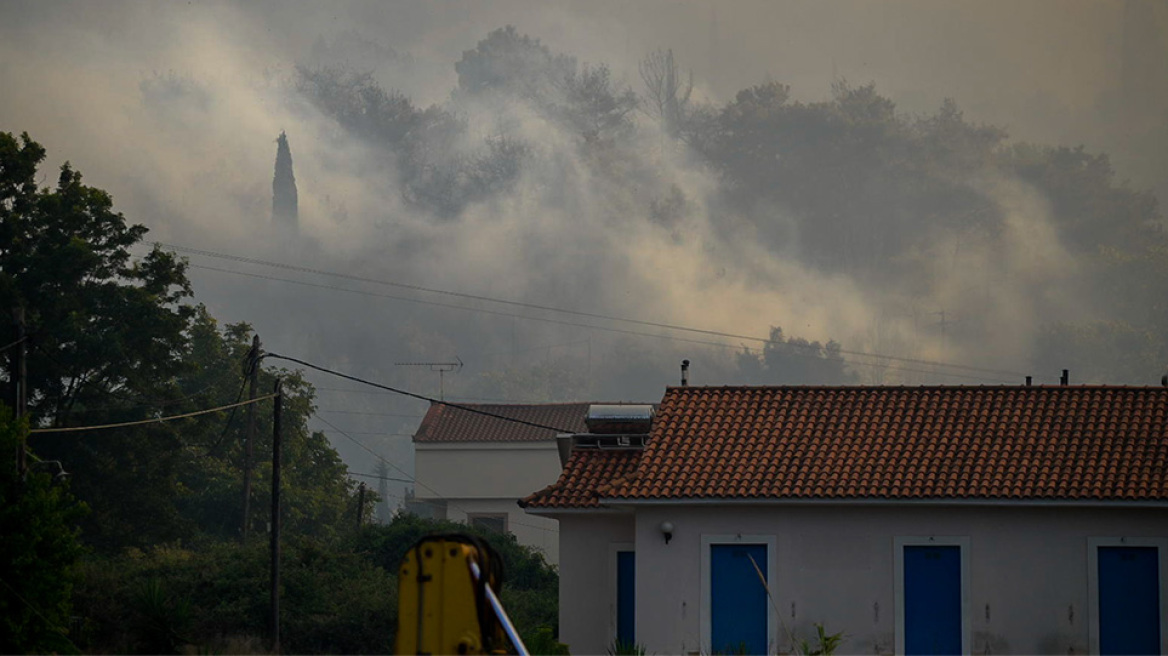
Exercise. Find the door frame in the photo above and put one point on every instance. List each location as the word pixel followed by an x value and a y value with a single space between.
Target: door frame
pixel 898 545
pixel 709 540
pixel 615 548
pixel 1093 544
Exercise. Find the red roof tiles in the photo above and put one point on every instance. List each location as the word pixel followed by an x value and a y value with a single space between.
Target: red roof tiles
pixel 588 476
pixel 1066 443
pixel 444 423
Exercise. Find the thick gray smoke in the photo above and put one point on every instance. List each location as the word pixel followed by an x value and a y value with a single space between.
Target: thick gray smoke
pixel 175 108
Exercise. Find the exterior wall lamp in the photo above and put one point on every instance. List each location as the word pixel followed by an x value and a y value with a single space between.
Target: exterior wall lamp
pixel 667 530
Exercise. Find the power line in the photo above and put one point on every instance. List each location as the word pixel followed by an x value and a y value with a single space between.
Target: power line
pixel 610 329
pixel 383 478
pixel 374 414
pixel 547 308
pixel 413 395
pixel 11 344
pixel 72 429
pixel 378 433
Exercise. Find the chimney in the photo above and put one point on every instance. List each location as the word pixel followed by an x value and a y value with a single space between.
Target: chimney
pixel 684 373
pixel 1066 379
pixel 1029 379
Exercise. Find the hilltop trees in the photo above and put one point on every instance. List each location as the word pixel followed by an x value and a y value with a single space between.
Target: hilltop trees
pixel 113 338
pixel 285 203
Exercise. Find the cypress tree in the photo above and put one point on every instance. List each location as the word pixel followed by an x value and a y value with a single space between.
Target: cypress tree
pixel 284 199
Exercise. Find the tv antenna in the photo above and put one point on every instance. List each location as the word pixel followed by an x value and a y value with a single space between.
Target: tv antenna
pixel 440 367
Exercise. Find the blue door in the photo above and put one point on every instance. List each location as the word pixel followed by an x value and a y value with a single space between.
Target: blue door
pixel 932 599
pixel 626 600
pixel 1129 600
pixel 738 598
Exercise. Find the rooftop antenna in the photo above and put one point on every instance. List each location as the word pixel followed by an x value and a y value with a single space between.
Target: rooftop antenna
pixel 440 367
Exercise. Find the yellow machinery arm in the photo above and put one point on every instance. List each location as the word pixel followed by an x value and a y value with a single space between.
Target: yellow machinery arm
pixel 448 599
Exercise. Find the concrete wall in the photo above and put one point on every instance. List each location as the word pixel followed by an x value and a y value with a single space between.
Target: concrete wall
pixel 490 477
pixel 588 579
pixel 834 565
pixel 488 470
pixel 542 533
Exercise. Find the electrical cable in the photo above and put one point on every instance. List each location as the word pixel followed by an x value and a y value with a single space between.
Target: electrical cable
pixel 383 478
pixel 374 414
pixel 413 395
pixel 11 344
pixel 610 329
pixel 380 433
pixel 73 429
pixel 547 308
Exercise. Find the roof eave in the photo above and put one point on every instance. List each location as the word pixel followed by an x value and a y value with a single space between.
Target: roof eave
pixel 622 503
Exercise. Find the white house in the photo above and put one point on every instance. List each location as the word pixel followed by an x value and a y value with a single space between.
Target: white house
pixel 911 520
pixel 471 467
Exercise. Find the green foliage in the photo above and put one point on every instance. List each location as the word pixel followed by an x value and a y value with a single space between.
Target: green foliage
pixel 38 551
pixel 542 642
pixel 825 645
pixel 620 647
pixel 511 63
pixel 113 340
pixel 530 588
pixel 795 361
pixel 170 599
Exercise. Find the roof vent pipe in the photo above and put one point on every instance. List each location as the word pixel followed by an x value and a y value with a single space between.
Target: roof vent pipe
pixel 1028 380
pixel 1066 379
pixel 684 373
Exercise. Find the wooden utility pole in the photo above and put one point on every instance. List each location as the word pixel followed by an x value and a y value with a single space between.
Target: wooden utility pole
pixel 360 503
pixel 253 373
pixel 275 619
pixel 20 398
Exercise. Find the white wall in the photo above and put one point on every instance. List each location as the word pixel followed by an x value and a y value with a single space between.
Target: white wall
pixel 491 477
pixel 488 470
pixel 588 579
pixel 542 533
pixel 1028 578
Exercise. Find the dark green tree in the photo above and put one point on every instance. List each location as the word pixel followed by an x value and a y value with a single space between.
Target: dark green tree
pixel 285 202
pixel 795 361
pixel 38 552
pixel 510 63
pixel 100 324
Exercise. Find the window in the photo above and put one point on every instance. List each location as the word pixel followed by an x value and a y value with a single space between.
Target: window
pixel 496 522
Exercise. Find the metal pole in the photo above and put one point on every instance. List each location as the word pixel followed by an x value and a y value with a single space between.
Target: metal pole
pixel 360 503
pixel 500 614
pixel 253 362
pixel 19 377
pixel 275 619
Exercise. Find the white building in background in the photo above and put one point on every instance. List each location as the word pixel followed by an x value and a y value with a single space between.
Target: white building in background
pixel 473 468
pixel 910 520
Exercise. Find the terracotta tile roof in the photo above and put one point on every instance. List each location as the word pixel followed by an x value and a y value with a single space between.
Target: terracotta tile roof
pixel 588 476
pixel 444 423
pixel 1064 443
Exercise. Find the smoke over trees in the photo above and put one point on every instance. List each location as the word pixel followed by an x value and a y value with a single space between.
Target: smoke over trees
pixel 930 215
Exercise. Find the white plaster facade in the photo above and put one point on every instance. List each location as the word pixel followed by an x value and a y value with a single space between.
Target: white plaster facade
pixel 1026 570
pixel 488 477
